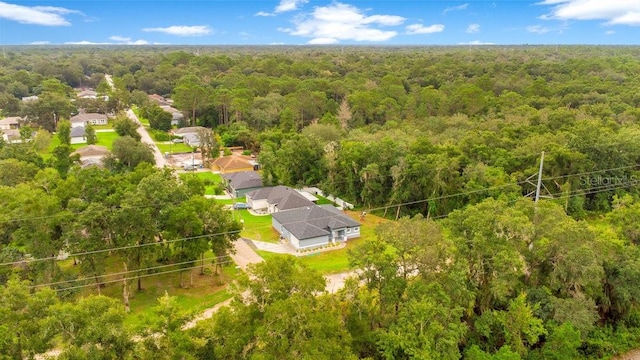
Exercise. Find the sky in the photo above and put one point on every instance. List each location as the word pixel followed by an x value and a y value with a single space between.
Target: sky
pixel 329 22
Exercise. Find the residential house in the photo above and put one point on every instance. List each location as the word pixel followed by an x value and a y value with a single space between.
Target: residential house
pixel 176 115
pixel 190 135
pixel 315 226
pixel 91 155
pixel 27 99
pixel 9 123
pixel 234 163
pixel 238 184
pixel 158 99
pixel 11 136
pixel 87 94
pixel 78 135
pixel 275 199
pixel 90 118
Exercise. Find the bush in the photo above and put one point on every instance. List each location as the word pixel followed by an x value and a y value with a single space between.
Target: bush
pixel 246 152
pixel 159 135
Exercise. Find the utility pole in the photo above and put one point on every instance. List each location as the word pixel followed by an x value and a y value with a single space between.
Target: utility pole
pixel 539 178
pixel 537 193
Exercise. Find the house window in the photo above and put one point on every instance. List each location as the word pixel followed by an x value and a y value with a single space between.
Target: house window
pixel 357 229
pixel 348 230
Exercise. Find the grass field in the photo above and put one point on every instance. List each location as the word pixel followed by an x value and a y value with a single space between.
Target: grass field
pixel 207 177
pixel 257 227
pixel 173 148
pixel 104 139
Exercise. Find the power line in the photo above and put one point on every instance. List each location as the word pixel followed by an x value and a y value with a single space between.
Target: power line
pixel 120 248
pixel 130 271
pixel 370 209
pixel 135 277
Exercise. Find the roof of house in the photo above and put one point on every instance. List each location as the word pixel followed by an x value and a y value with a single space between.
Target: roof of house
pixel 11 133
pixel 88 117
pixel 189 130
pixel 313 221
pixel 87 93
pixel 243 179
pixel 78 131
pixel 283 197
pixel 233 162
pixel 12 120
pixel 91 150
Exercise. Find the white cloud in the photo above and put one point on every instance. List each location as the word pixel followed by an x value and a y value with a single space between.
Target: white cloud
pixel 476 42
pixel 264 13
pixel 473 28
pixel 40 43
pixel 85 42
pixel 121 40
pixel 338 21
pixel 538 29
pixel 618 12
pixel 182 30
pixel 414 29
pixel 609 32
pixel 456 8
pixel 289 5
pixel 36 15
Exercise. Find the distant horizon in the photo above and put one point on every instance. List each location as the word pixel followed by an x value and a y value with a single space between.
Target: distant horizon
pixel 313 22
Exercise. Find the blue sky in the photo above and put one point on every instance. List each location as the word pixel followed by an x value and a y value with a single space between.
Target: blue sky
pixel 299 22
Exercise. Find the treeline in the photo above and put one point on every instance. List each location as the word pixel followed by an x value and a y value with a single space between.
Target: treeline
pixel 379 126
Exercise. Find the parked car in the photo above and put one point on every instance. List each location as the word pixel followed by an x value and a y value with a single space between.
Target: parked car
pixel 177 141
pixel 241 205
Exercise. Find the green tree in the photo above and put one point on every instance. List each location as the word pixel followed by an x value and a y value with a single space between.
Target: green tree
pixel 126 127
pixel 63 132
pixel 127 153
pixel 42 140
pixel 90 134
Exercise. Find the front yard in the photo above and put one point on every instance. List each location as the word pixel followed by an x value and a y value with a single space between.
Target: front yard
pixel 257 227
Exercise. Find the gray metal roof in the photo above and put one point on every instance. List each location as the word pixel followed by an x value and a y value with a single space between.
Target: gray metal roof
pixel 243 179
pixel 306 221
pixel 77 131
pixel 284 197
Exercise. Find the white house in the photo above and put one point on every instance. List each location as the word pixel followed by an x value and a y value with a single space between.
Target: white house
pixel 90 118
pixel 277 198
pixel 78 135
pixel 8 123
pixel 315 226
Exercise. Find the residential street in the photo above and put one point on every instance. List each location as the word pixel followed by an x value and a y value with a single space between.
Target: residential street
pixel 146 138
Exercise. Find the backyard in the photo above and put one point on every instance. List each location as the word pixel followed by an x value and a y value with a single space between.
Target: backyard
pixel 210 179
pixel 257 227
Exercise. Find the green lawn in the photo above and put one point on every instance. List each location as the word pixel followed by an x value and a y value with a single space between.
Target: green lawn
pixel 104 139
pixel 257 227
pixel 207 177
pixel 173 148
pixel 323 200
pixel 144 121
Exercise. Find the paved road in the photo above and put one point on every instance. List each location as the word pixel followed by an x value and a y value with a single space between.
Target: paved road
pixel 146 138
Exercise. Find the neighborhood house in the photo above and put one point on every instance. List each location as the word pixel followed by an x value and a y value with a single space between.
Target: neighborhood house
pixel 277 198
pixel 78 135
pixel 315 226
pixel 190 135
pixel 238 184
pixel 91 155
pixel 234 163
pixel 90 118
pixel 10 123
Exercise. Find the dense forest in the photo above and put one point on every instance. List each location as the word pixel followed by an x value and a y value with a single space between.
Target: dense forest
pixel 445 141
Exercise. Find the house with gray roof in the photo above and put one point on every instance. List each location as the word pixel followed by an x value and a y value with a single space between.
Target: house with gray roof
pixel 78 135
pixel 315 226
pixel 275 199
pixel 238 184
